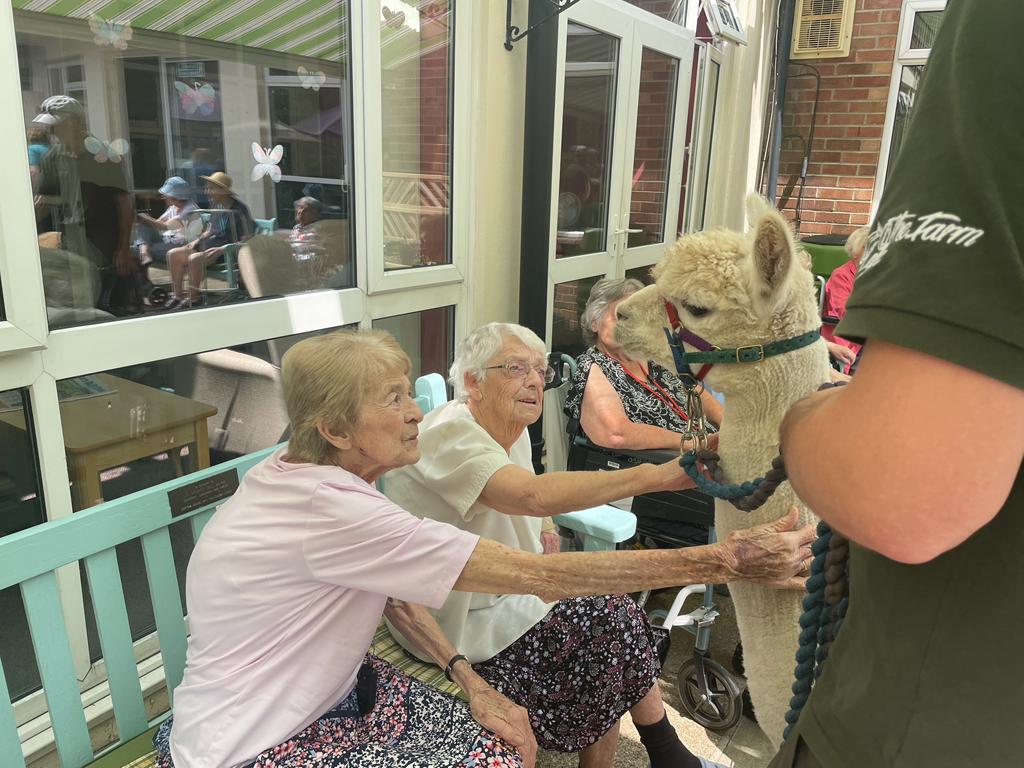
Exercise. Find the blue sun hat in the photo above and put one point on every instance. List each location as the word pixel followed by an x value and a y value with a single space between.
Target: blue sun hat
pixel 177 188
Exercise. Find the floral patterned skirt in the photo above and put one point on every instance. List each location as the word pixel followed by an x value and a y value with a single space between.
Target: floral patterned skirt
pixel 411 725
pixel 579 669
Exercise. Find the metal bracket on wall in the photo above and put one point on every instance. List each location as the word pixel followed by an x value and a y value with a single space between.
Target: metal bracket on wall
pixel 513 34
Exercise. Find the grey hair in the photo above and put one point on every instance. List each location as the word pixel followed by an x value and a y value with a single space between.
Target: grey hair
pixel 312 202
pixel 856 241
pixel 602 295
pixel 481 345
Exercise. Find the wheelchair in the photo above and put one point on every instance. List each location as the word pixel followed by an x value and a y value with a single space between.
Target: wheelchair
pixel 710 694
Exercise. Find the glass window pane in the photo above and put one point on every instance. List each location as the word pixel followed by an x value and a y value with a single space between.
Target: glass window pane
pixel 712 85
pixel 588 110
pixel 926 27
pixel 653 147
pixel 910 77
pixel 643 274
pixel 673 10
pixel 416 47
pixel 21 507
pixel 129 429
pixel 692 120
pixel 169 148
pixel 569 303
pixel 427 337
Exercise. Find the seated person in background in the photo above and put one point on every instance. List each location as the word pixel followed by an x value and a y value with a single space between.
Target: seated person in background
pixel 577 665
pixel 304 238
pixel 289 580
pixel 230 222
pixel 625 403
pixel 837 291
pixel 158 236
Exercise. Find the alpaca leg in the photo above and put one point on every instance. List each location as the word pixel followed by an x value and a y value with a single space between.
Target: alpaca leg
pixel 768 623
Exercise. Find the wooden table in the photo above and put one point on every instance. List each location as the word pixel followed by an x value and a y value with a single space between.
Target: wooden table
pixel 135 422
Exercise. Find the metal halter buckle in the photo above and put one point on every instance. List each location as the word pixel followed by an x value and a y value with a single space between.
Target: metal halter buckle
pixel 760 353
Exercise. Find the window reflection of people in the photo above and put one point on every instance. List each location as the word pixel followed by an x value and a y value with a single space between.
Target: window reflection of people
pixel 158 236
pixel 229 222
pixel 38 145
pixel 620 402
pixel 291 576
pixel 88 201
pixel 194 171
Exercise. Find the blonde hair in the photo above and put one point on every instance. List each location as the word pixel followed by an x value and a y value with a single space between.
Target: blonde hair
pixel 326 381
pixel 856 241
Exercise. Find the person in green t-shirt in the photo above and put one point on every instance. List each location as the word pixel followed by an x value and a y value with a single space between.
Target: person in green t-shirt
pixel 927 669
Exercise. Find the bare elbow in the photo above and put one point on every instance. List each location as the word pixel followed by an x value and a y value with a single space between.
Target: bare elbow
pixel 533 501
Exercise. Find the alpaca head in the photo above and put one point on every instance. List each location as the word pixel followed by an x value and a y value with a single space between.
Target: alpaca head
pixel 730 289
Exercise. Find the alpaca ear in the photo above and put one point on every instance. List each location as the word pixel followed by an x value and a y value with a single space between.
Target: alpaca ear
pixel 773 248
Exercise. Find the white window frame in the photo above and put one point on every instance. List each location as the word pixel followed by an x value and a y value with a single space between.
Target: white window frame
pixel 372 176
pixel 905 57
pixel 34 358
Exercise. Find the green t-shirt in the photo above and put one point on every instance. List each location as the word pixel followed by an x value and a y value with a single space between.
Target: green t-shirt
pixel 927 670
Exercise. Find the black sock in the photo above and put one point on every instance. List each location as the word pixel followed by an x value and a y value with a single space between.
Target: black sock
pixel 664 747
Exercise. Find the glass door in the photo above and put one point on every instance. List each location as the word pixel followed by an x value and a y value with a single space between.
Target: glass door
pixel 622 100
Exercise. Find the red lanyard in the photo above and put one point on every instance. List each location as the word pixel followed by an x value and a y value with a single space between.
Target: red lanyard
pixel 662 394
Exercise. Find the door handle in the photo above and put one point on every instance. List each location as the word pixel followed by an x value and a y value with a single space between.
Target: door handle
pixel 627 230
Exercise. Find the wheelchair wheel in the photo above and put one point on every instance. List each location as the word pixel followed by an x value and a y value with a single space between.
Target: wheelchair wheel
pixel 157 296
pixel 721 708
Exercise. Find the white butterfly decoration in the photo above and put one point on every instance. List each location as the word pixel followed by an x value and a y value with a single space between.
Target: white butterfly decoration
pixel 266 162
pixel 201 97
pixel 107 33
pixel 104 151
pixel 311 79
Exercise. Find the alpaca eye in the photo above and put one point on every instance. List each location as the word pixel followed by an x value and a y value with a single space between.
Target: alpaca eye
pixel 696 311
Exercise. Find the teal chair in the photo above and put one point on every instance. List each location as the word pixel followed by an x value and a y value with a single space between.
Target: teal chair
pixel 598 528
pixel 265 226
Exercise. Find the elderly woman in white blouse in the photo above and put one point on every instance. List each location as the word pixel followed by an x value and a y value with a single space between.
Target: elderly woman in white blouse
pixel 576 665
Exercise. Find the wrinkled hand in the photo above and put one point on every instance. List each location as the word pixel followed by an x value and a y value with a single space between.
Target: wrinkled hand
pixel 551 542
pixel 844 355
pixel 776 554
pixel 505 719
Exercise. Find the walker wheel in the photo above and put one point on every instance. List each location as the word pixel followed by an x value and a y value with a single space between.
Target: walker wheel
pixel 721 708
pixel 157 296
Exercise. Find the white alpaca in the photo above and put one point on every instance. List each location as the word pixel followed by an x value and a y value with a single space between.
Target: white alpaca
pixel 737 290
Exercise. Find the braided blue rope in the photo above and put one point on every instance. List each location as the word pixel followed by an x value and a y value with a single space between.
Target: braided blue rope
pixel 725 491
pixel 812 628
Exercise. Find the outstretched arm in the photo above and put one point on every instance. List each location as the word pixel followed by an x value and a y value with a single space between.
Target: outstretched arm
pixel 516 491
pixel 928 454
pixel 775 553
pixel 489 708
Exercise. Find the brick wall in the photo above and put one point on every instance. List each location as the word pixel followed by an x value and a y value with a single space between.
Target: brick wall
pixel 848 129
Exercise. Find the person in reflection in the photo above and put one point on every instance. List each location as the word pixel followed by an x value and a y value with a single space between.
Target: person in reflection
pixel 579 664
pixel 620 402
pixel 194 171
pixel 307 213
pixel 229 222
pixel 289 580
pixel 158 236
pixel 86 195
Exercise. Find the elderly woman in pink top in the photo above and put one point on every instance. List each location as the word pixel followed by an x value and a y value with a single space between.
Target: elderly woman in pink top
pixel 292 575
pixel 837 291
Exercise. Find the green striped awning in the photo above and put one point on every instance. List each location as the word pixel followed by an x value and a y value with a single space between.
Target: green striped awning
pixel 312 28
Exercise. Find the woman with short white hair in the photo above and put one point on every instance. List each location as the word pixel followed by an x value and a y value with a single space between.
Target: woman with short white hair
pixel 576 665
pixel 289 580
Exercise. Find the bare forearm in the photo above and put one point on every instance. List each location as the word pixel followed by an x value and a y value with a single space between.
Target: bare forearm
pixel 496 569
pixel 558 492
pixel 634 437
pixel 421 629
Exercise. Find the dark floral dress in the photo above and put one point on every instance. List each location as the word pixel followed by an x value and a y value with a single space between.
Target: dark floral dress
pixel 642 406
pixel 410 725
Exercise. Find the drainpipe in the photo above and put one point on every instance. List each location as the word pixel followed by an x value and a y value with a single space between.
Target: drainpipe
pixel 781 77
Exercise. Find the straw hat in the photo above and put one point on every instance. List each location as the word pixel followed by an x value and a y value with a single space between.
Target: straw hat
pixel 219 178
